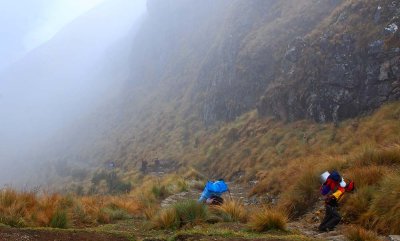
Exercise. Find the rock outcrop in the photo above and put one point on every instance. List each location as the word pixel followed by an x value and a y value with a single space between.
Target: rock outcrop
pixel 334 75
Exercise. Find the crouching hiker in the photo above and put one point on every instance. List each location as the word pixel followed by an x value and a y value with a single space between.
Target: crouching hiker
pixel 333 187
pixel 213 191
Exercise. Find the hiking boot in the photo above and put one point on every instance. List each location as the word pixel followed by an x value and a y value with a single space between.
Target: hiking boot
pixel 324 230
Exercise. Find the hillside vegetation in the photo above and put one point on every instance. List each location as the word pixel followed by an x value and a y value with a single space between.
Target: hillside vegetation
pixel 217 64
pixel 274 94
pixel 285 160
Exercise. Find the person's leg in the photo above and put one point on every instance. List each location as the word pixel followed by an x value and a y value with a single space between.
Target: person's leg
pixel 328 215
pixel 334 220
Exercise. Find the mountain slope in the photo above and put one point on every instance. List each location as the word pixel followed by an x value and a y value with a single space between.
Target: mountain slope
pixel 195 66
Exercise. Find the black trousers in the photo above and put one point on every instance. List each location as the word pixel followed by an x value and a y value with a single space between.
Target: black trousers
pixel 331 219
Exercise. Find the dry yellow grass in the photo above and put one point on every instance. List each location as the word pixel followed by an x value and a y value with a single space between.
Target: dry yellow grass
pixel 29 209
pixel 356 233
pixel 267 219
pixel 231 211
pixel 384 210
pixel 166 219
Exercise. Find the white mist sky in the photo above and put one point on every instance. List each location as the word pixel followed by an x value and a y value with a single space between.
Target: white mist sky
pixel 59 59
pixel 55 15
pixel 26 24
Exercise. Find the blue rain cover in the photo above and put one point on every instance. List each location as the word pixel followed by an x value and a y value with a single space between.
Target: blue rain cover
pixel 217 187
pixel 213 189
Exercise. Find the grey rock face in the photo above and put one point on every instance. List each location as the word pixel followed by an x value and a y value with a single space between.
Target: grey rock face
pixel 343 83
pixel 332 78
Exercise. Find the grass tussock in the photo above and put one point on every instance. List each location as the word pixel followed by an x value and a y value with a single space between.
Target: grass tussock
pixel 191 212
pixel 166 219
pixel 358 203
pixel 387 156
pixel 181 214
pixel 365 176
pixel 231 211
pixel 384 211
pixel 59 219
pixel 302 195
pixel 267 220
pixel 355 233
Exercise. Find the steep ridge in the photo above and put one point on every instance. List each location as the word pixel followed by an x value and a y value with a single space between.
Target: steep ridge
pixel 194 66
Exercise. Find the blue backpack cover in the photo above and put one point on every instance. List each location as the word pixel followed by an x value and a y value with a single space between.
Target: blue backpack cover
pixel 213 189
pixel 217 187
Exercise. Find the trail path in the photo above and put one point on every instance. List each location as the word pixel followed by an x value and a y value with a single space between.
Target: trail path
pixel 307 224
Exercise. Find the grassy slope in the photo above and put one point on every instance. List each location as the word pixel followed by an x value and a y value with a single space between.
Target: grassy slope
pixel 286 158
pixel 274 153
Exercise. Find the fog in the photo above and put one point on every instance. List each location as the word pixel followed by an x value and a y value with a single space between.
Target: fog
pixel 59 61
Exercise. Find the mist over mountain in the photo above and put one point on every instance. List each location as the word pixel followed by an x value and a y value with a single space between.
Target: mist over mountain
pixel 195 67
pixel 59 82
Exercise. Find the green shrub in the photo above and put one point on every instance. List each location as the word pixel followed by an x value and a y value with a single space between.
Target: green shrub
pixel 116 214
pixel 59 219
pixel 191 212
pixel 13 221
pixel 183 213
pixel 160 191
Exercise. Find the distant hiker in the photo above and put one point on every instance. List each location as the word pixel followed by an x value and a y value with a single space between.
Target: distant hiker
pixel 157 164
pixel 334 187
pixel 213 191
pixel 143 168
pixel 111 165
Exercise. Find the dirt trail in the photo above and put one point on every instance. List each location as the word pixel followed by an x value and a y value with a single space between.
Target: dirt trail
pixel 307 225
pixel 206 238
pixel 11 234
pixel 237 192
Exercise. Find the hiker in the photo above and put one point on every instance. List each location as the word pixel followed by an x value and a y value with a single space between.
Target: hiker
pixel 333 187
pixel 157 164
pixel 213 191
pixel 143 168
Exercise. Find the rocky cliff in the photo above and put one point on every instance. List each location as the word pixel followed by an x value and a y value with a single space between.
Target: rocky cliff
pixel 347 66
pixel 320 60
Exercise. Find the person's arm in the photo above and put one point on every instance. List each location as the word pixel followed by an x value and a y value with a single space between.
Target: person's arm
pixel 204 195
